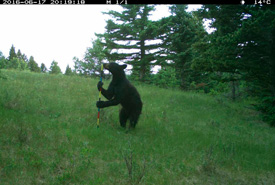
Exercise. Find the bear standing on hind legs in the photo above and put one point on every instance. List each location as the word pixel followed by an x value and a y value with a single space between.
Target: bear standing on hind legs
pixel 121 91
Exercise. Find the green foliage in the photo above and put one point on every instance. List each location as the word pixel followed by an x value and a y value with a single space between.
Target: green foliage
pixel 267 107
pixel 183 29
pixel 217 53
pixel 19 55
pixel 68 71
pixel 166 77
pixel 238 49
pixel 79 66
pixel 14 63
pixel 218 88
pixel 93 59
pixel 17 63
pixel 179 32
pixel 218 50
pixel 126 36
pixel 33 66
pixel 12 53
pixel 43 68
pixel 23 64
pixel 48 135
pixel 3 61
pixel 54 68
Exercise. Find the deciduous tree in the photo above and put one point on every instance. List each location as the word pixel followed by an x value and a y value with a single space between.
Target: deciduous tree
pixel 55 69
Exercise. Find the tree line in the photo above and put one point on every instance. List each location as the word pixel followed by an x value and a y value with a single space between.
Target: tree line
pixel 19 61
pixel 237 59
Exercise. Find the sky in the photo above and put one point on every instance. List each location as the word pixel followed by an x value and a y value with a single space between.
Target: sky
pixel 58 32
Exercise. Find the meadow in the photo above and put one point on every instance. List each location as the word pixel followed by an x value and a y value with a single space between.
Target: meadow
pixel 48 135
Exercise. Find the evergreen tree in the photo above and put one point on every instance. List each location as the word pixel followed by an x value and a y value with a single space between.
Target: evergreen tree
pixel 256 48
pixel 242 48
pixel 179 32
pixel 220 49
pixel 33 66
pixel 14 63
pixel 19 55
pixel 3 61
pixel 12 53
pixel 22 61
pixel 68 71
pixel 127 37
pixel 55 69
pixel 257 57
pixel 25 58
pixel 43 68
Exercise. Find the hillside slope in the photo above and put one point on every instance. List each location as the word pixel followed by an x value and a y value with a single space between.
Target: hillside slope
pixel 48 135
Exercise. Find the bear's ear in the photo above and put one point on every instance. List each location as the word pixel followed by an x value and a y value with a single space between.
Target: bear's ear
pixel 123 66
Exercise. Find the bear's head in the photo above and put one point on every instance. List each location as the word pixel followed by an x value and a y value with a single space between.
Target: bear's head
pixel 115 68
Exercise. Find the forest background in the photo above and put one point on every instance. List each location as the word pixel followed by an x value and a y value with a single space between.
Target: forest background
pixel 235 61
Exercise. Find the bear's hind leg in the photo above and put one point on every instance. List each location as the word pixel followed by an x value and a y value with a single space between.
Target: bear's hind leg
pixel 133 123
pixel 134 119
pixel 123 116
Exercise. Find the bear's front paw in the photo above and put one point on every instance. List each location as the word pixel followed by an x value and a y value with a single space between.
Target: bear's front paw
pixel 99 85
pixel 100 104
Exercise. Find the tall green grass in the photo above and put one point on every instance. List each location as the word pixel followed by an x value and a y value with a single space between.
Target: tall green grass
pixel 48 135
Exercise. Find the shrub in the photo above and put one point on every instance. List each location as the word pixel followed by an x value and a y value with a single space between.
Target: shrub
pixel 267 108
pixel 166 77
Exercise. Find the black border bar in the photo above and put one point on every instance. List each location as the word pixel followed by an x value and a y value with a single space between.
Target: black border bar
pixel 121 2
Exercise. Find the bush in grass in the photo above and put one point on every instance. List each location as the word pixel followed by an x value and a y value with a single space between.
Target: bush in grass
pixel 166 77
pixel 267 108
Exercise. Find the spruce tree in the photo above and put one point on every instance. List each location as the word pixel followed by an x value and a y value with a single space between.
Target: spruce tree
pixel 241 48
pixel 19 54
pixel 219 51
pixel 12 53
pixel 179 32
pixel 22 60
pixel 68 71
pixel 33 66
pixel 257 57
pixel 127 38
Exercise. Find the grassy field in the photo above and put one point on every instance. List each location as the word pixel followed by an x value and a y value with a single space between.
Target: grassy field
pixel 48 135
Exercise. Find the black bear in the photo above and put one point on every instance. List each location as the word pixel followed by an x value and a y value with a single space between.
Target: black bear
pixel 121 91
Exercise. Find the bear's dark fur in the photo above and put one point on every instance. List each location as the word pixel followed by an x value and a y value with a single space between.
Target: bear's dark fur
pixel 121 91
